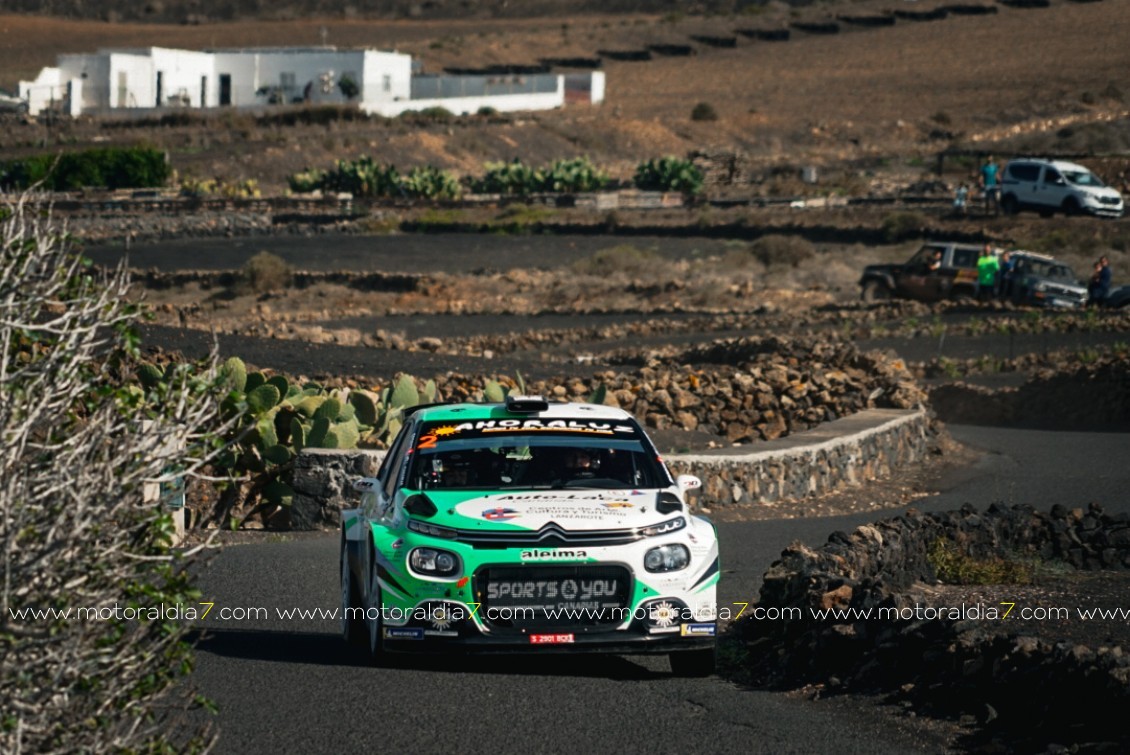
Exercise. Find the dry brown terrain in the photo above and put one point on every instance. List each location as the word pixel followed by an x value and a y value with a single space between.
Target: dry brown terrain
pixel 863 101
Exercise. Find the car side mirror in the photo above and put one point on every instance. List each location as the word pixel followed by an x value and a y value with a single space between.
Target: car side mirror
pixel 366 485
pixel 687 483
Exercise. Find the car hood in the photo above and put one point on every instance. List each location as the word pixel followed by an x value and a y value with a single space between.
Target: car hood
pixel 577 509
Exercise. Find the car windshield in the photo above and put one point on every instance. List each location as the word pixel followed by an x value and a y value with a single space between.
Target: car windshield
pixel 1083 178
pixel 533 453
pixel 1047 269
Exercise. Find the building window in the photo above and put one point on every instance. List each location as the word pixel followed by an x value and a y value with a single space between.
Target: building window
pixel 386 83
pixel 123 88
pixel 287 82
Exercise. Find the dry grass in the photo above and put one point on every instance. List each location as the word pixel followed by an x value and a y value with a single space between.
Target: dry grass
pixel 852 97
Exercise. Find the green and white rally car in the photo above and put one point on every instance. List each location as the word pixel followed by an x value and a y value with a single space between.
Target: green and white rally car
pixel 528 527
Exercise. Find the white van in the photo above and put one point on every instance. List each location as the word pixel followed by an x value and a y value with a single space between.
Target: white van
pixel 1050 185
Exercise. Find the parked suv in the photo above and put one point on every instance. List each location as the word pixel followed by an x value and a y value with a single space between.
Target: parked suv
pixel 1048 186
pixel 926 276
pixel 1043 281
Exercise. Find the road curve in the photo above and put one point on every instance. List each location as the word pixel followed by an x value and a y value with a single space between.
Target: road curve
pixel 289 684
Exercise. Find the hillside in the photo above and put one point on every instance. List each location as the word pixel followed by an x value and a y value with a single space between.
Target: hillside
pixel 862 102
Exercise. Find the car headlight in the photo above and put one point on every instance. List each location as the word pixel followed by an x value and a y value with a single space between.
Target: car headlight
pixel 1040 287
pixel 667 558
pixel 671 525
pixel 434 562
pixel 431 529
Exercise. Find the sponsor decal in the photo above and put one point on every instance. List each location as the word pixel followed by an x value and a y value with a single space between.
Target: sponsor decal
pixel 551 639
pixel 403 633
pixel 436 633
pixel 552 555
pixel 637 492
pixel 697 630
pixel 462 582
pixel 618 505
pixel 499 514
pixel 441 619
pixel 663 614
pixel 535 425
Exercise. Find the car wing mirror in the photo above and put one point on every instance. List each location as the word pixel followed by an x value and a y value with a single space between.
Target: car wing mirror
pixel 687 483
pixel 366 485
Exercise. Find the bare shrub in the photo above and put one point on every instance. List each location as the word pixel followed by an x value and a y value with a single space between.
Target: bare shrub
pixel 704 111
pixel 623 258
pixel 80 441
pixel 899 226
pixel 779 250
pixel 266 272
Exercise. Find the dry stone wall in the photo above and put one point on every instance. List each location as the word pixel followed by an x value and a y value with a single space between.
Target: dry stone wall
pixel 869 445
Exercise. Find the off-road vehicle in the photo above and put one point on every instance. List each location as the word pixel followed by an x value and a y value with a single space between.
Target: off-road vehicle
pixel 939 270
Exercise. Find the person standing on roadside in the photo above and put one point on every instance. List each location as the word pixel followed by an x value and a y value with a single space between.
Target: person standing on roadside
pixel 987 269
pixel 990 185
pixel 1008 271
pixel 1099 288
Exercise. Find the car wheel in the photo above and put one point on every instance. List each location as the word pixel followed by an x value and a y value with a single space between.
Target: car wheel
pixel 373 615
pixel 352 626
pixel 1009 204
pixel 874 291
pixel 692 663
pixel 1071 206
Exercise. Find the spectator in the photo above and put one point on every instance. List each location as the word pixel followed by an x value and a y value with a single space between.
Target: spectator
pixel 1099 287
pixel 1008 272
pixel 935 262
pixel 990 185
pixel 960 200
pixel 987 268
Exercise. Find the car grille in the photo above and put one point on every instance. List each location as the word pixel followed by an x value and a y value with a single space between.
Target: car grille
pixel 1109 200
pixel 583 597
pixel 549 536
pixel 1066 293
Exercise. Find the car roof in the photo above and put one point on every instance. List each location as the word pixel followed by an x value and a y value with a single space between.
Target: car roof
pixel 1057 164
pixel 1033 255
pixel 556 410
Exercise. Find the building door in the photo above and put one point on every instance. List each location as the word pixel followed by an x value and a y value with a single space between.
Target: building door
pixel 225 89
pixel 203 91
pixel 160 87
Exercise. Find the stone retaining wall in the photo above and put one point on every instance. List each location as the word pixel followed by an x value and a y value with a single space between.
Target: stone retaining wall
pixel 848 451
pixel 1027 689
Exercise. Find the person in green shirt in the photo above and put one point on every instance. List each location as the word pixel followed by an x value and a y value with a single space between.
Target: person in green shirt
pixel 988 266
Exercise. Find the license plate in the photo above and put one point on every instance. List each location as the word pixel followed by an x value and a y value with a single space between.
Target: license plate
pixel 551 639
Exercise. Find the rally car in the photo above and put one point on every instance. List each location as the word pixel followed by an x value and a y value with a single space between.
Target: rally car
pixel 531 527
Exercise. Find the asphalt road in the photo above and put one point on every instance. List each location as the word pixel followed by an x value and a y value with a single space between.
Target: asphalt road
pixel 394 253
pixel 290 685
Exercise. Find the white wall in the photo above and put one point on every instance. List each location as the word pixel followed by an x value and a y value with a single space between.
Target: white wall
pixel 379 64
pixel 470 105
pixel 181 71
pixel 48 87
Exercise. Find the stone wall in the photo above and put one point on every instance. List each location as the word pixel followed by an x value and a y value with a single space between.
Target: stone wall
pixel 848 451
pixel 1026 688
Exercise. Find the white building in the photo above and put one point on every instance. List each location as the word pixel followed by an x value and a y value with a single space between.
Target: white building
pixel 156 79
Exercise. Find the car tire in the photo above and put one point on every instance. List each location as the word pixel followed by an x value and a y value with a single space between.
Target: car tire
pixel 876 291
pixel 1009 205
pixel 352 628
pixel 1071 207
pixel 373 616
pixel 692 663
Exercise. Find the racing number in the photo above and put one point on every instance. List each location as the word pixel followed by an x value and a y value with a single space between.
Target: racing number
pixel 427 441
